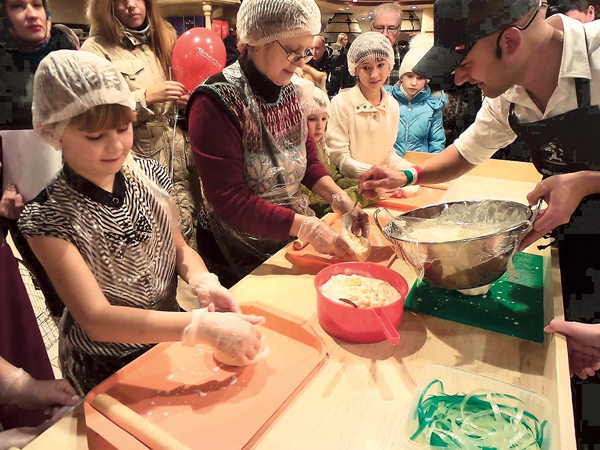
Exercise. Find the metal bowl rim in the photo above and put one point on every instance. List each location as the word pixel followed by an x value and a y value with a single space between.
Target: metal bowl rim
pixel 508 230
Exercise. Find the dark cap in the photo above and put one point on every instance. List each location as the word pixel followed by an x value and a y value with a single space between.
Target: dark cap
pixel 461 23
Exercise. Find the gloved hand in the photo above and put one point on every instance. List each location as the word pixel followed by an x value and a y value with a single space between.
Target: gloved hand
pixel 17 437
pixel 208 289
pixel 342 204
pixel 229 333
pixel 19 388
pixel 324 239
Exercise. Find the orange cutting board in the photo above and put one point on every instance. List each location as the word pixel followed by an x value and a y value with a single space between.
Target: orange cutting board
pixel 425 196
pixel 311 261
pixel 204 405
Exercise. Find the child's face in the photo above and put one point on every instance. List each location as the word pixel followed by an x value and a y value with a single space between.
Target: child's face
pixel 96 156
pixel 413 83
pixel 317 123
pixel 373 73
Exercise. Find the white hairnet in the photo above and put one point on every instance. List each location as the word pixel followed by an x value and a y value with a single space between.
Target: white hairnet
pixel 262 21
pixel 367 46
pixel 419 46
pixel 67 83
pixel 320 103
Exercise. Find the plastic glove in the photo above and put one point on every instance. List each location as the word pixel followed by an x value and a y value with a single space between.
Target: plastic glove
pixel 229 333
pixel 208 289
pixel 17 437
pixel 342 204
pixel 19 388
pixel 324 239
pixel 21 437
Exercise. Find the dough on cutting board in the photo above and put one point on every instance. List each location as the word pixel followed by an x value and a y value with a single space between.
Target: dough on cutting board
pixel 360 245
pixel 229 361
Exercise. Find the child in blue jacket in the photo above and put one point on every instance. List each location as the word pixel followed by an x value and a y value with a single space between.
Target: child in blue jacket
pixel 421 127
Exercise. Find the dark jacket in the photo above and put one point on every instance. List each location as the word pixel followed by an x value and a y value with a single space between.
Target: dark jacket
pixel 17 69
pixel 339 77
pixel 16 82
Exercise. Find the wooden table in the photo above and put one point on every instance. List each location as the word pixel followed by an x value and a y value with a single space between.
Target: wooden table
pixel 359 399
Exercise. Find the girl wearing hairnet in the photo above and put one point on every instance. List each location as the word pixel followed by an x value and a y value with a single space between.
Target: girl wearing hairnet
pixel 252 148
pixel 364 119
pixel 105 231
pixel 133 35
pixel 318 116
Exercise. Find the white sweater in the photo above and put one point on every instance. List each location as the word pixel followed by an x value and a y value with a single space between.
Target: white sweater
pixel 360 135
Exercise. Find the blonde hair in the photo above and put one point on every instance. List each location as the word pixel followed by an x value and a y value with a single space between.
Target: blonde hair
pixel 103 117
pixel 340 37
pixel 162 36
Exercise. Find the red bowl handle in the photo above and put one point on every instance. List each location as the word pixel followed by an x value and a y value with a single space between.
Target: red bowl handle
pixel 386 325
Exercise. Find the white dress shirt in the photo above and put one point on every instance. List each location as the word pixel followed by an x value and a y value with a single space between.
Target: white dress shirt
pixel 360 135
pixel 491 130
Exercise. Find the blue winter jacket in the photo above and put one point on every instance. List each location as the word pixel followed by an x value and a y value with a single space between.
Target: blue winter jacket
pixel 421 127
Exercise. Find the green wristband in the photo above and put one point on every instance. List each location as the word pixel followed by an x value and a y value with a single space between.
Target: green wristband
pixel 409 176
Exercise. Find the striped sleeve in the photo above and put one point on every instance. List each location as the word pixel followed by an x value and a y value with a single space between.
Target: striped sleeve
pixel 156 172
pixel 39 218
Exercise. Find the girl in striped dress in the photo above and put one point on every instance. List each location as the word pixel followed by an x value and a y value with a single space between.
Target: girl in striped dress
pixel 106 233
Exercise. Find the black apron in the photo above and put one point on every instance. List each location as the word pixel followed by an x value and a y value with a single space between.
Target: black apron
pixel 565 144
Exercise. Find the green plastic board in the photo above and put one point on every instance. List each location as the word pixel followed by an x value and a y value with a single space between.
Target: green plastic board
pixel 513 307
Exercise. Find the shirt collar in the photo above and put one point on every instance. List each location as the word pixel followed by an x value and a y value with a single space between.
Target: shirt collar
pixel 575 62
pixel 362 104
pixel 83 186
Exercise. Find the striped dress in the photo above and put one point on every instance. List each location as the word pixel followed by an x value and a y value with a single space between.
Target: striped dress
pixel 126 241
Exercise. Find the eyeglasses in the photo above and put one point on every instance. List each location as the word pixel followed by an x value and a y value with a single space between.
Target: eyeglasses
pixel 295 57
pixel 381 28
pixel 498 49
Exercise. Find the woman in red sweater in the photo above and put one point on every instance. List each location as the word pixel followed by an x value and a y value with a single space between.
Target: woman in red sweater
pixel 250 140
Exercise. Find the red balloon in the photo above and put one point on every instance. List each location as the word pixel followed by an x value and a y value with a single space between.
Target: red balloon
pixel 199 53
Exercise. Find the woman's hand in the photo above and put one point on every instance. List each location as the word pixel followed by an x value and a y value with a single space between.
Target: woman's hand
pixel 583 343
pixel 342 204
pixel 167 91
pixel 12 203
pixel 324 239
pixel 209 291
pixel 19 388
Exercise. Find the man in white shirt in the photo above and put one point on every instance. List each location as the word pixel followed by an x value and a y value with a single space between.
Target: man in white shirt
pixel 542 83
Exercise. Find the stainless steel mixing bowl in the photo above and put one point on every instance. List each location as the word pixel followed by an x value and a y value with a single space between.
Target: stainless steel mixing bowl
pixel 464 263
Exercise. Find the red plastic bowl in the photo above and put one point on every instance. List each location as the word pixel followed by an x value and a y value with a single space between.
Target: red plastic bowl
pixel 361 325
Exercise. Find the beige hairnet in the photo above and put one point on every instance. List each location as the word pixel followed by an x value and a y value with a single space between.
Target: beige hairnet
pixel 320 103
pixel 67 83
pixel 367 46
pixel 262 21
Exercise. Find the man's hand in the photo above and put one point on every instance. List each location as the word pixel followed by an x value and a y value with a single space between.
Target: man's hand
pixel 380 177
pixel 563 193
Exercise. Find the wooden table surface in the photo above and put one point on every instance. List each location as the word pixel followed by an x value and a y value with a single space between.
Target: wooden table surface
pixel 359 398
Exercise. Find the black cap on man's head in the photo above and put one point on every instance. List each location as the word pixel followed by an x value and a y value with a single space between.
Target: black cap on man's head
pixel 459 24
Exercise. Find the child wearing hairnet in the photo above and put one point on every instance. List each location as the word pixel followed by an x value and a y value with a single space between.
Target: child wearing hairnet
pixel 318 116
pixel 105 232
pixel 364 119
